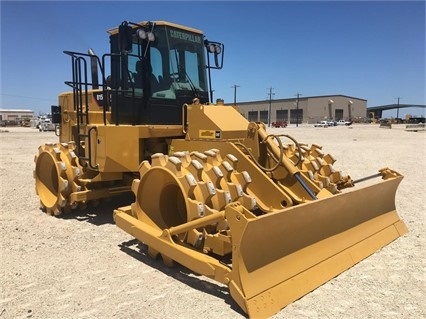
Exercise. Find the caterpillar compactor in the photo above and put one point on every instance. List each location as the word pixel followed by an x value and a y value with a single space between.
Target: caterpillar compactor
pixel 267 216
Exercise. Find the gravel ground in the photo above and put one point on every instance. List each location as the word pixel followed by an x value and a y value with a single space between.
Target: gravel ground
pixel 83 266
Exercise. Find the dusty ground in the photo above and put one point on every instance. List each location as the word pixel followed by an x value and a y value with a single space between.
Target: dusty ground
pixel 83 266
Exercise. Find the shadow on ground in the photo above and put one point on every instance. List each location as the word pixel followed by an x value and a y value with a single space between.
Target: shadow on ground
pixel 100 213
pixel 139 251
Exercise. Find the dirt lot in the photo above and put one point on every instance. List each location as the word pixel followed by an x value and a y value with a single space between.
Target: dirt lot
pixel 83 266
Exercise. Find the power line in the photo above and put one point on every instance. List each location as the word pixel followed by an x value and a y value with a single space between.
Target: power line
pixel 27 97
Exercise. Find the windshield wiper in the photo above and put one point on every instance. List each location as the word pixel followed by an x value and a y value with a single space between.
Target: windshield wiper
pixel 193 87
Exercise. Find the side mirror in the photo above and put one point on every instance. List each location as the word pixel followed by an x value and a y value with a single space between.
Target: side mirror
pixel 56 114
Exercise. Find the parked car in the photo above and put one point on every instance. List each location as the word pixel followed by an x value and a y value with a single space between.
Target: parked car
pixel 321 124
pixel 343 122
pixel 279 124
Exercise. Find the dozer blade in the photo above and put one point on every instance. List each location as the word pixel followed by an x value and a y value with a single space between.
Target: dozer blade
pixel 279 257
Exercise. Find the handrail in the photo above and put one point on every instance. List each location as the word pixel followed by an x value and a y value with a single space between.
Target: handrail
pixel 89 145
pixel 184 117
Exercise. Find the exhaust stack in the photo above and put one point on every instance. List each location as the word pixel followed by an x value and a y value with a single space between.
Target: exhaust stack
pixel 94 69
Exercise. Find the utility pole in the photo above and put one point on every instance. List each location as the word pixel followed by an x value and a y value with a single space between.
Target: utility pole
pixel 235 86
pixel 270 105
pixel 297 108
pixel 397 109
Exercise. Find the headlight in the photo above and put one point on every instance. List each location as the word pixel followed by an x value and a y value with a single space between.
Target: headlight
pixel 141 34
pixel 151 36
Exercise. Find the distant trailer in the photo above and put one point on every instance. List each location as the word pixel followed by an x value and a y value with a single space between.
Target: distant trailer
pixel 415 127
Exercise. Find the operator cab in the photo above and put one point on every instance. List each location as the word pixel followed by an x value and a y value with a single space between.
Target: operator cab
pixel 157 67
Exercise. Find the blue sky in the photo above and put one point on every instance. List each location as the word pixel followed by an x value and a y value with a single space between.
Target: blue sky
pixel 371 50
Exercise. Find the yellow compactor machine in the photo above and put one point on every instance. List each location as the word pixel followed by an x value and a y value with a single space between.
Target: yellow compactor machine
pixel 213 191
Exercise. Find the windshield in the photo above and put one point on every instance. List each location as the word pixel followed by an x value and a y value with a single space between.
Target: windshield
pixel 175 61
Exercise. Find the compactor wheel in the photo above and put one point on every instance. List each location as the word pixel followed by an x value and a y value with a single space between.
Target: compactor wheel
pixel 318 166
pixel 174 190
pixel 56 177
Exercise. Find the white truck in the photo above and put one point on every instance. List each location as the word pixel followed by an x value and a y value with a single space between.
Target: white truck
pixel 343 122
pixel 46 125
pixel 321 124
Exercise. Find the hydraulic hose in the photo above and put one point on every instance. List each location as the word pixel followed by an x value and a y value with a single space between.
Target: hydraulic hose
pixel 307 189
pixel 283 160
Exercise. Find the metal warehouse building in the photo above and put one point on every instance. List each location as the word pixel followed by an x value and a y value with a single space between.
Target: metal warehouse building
pixel 307 110
pixel 15 115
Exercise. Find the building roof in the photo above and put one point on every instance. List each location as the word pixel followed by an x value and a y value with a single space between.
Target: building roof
pixel 393 106
pixel 301 97
pixel 16 110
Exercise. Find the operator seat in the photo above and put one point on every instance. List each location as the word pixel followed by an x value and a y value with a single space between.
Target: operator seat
pixel 138 77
